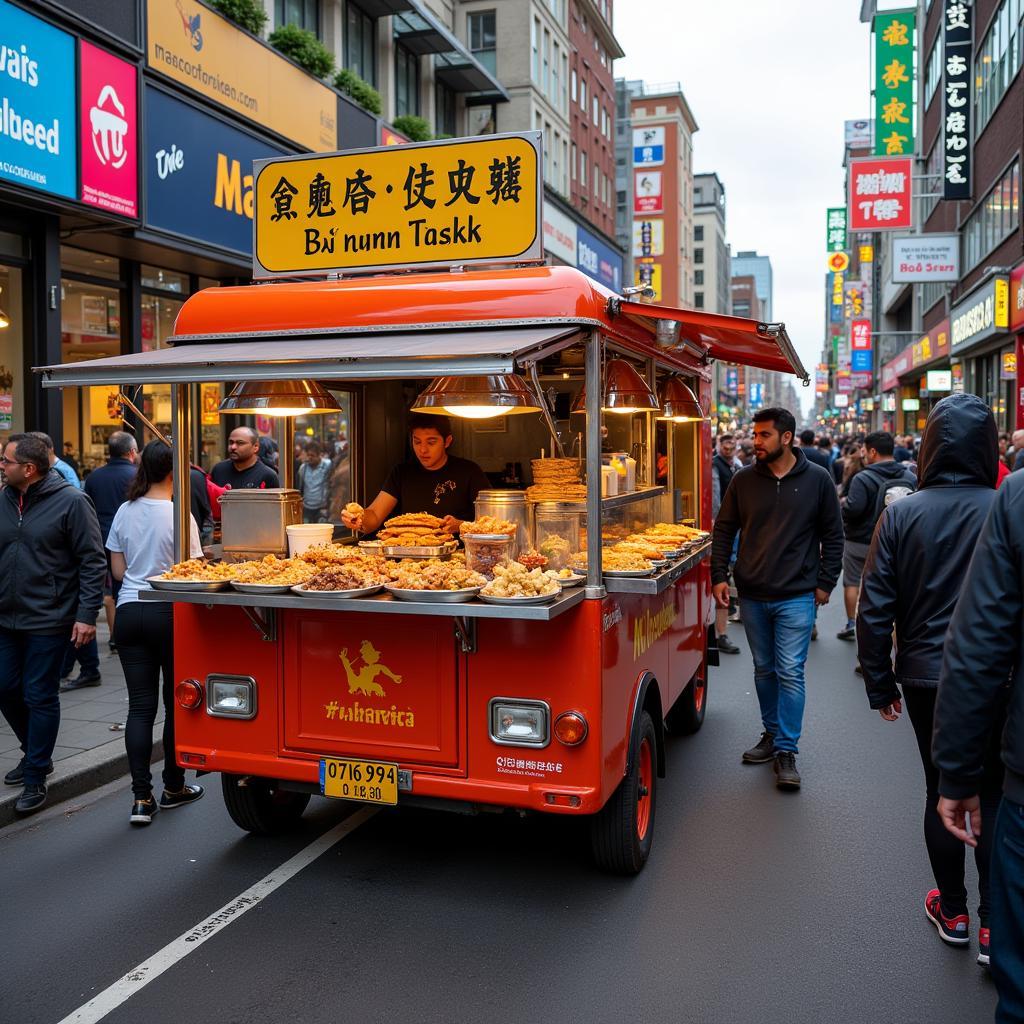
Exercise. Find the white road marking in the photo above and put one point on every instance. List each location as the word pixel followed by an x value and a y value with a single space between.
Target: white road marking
pixel 188 942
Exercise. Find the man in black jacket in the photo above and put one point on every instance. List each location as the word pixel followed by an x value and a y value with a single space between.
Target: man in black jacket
pixel 52 568
pixel 912 578
pixel 982 670
pixel 861 512
pixel 791 548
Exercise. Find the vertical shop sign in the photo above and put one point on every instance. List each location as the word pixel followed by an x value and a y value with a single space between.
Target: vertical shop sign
pixel 821 379
pixel 836 305
pixel 648 147
pixel 732 381
pixel 860 348
pixel 835 237
pixel 648 275
pixel 647 194
pixel 880 194
pixel 895 42
pixel 109 137
pixel 648 238
pixel 956 105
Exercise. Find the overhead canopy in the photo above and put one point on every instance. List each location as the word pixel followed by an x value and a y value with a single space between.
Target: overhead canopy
pixel 352 357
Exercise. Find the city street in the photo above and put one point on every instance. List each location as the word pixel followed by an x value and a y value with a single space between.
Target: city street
pixel 755 905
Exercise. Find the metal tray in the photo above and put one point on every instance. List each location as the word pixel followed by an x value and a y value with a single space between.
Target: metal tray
pixel 375 545
pixel 537 599
pixel 626 573
pixel 441 551
pixel 300 588
pixel 434 596
pixel 574 581
pixel 489 536
pixel 187 586
pixel 262 588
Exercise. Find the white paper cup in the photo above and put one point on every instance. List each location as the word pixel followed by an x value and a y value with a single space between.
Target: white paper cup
pixel 306 535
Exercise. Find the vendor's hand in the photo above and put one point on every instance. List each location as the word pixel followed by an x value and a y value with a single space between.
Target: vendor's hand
pixel 821 596
pixel 952 814
pixel 721 594
pixel 891 712
pixel 82 633
pixel 451 525
pixel 351 521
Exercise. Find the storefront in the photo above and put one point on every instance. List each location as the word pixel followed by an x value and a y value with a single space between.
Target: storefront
pixel 1017 329
pixel 913 382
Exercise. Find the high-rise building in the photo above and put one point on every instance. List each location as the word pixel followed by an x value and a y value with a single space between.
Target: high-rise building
pixel 760 268
pixel 711 266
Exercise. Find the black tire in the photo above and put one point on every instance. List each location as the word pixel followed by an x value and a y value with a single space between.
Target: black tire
pixel 260 807
pixel 687 714
pixel 618 843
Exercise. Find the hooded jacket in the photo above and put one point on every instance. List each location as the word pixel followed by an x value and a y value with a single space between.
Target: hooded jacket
pixel 52 563
pixel 791 532
pixel 921 550
pixel 862 494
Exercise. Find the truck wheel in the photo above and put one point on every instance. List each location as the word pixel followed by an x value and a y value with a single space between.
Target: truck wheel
pixel 622 832
pixel 687 714
pixel 260 807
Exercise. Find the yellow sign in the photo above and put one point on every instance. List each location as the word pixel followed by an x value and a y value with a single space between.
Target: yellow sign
pixel 435 204
pixel 205 52
pixel 1002 296
pixel 373 782
pixel 648 628
pixel 838 262
pixel 867 254
pixel 648 275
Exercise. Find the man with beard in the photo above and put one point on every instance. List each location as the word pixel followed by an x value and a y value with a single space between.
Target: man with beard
pixel 786 512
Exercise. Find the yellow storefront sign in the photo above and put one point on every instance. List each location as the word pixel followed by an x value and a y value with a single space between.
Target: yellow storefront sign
pixel 647 274
pixel 436 204
pixel 206 53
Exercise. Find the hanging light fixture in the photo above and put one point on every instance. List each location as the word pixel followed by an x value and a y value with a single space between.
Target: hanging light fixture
pixel 678 403
pixel 279 398
pixel 478 397
pixel 625 391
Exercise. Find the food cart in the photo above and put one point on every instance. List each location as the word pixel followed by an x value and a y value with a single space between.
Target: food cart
pixel 559 707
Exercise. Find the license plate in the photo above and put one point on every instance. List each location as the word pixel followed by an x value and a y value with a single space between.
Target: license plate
pixel 372 782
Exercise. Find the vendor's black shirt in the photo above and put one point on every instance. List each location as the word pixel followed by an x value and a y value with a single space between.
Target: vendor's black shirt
pixel 448 491
pixel 257 475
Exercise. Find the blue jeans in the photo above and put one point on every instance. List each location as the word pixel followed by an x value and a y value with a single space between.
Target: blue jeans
pixel 29 682
pixel 779 633
pixel 1007 921
pixel 88 656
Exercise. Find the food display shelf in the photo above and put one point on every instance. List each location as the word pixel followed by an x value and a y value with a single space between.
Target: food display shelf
pixel 382 603
pixel 660 581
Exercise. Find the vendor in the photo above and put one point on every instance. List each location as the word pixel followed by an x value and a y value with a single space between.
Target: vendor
pixel 434 481
pixel 242 467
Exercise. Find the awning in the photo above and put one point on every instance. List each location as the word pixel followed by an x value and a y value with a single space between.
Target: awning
pixel 731 339
pixel 353 357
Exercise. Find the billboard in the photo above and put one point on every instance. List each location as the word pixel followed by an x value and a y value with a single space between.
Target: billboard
pixel 649 237
pixel 598 260
pixel 648 147
pixel 956 103
pixel 880 194
pixel 926 258
pixel 559 234
pixel 895 43
pixel 647 194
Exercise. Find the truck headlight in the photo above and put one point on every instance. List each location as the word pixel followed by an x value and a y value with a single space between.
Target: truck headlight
pixel 231 696
pixel 519 723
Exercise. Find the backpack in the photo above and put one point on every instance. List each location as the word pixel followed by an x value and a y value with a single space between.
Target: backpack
pixel 890 490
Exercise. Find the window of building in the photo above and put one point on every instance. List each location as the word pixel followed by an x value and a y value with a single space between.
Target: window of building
pixel 933 70
pixel 698 277
pixel 556 77
pixel 583 170
pixel 597 182
pixel 407 81
pixel 535 51
pixel 545 72
pixel 563 99
pixel 573 162
pixel 547 152
pixel 12 341
pixel 565 158
pixel 698 255
pixel 304 13
pixel 583 94
pixel 698 233
pixel 444 110
pixel 998 60
pixel 361 43
pixel 572 85
pixel 593 111
pixel 482 31
pixel 929 293
pixel 556 169
pixel 994 219
pixel 698 300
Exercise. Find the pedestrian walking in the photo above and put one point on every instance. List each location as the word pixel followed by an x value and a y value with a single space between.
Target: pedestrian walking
pixel 51 588
pixel 786 512
pixel 853 463
pixel 724 466
pixel 1018 450
pixel 871 491
pixel 313 481
pixel 57 464
pixel 981 680
pixel 907 587
pixel 810 448
pixel 70 460
pixel 141 543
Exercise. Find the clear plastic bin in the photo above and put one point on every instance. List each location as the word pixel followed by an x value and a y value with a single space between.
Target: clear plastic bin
pixel 484 553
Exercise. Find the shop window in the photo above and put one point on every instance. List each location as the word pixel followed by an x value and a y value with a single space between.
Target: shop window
pixel 995 218
pixel 407 82
pixel 933 70
pixel 157 324
pixel 361 43
pixel 333 433
pixel 164 280
pixel 304 13
pixel 12 341
pixel 444 110
pixel 90 264
pixel 483 38
pixel 998 60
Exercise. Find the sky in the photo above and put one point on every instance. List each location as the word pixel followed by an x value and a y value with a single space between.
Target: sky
pixel 770 85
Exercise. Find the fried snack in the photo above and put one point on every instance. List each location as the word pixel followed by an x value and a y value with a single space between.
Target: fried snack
pixel 561 574
pixel 515 580
pixel 272 571
pixel 198 571
pixel 353 508
pixel 616 561
pixel 570 491
pixel 555 470
pixel 414 519
pixel 555 549
pixel 532 560
pixel 321 555
pixel 644 550
pixel 399 539
pixel 352 575
pixel 489 525
pixel 432 574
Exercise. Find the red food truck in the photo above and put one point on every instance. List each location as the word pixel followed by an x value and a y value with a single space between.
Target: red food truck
pixel 559 707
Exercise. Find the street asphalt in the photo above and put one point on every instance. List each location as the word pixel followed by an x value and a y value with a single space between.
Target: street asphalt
pixel 756 906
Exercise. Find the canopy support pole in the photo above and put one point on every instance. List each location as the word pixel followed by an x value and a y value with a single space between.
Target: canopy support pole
pixel 592 371
pixel 181 434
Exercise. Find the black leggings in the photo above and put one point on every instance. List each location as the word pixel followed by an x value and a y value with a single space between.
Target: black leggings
pixel 144 634
pixel 945 851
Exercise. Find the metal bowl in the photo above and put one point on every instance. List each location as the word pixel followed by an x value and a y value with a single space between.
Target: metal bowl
pixel 434 596
pixel 187 586
pixel 536 599
pixel 300 588
pixel 262 588
pixel 439 551
pixel 627 573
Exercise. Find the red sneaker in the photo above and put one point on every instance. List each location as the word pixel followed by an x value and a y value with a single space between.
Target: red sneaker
pixel 953 930
pixel 983 947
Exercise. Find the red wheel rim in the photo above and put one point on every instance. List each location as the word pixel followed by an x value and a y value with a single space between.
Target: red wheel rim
pixel 699 690
pixel 644 782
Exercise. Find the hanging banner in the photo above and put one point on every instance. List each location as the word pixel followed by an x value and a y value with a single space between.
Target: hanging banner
pixel 857 134
pixel 894 83
pixel 956 105
pixel 648 147
pixel 835 229
pixel 648 238
pixel 926 258
pixel 821 379
pixel 647 194
pixel 880 194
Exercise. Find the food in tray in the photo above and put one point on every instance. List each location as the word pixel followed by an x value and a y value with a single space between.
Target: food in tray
pixel 687 533
pixel 414 540
pixel 643 548
pixel 196 570
pixel 415 529
pixel 555 471
pixel 557 492
pixel 321 555
pixel 561 574
pixel 272 571
pixel 615 561
pixel 414 520
pixel 515 580
pixel 533 560
pixel 488 525
pixel 555 549
pixel 432 574
pixel 351 575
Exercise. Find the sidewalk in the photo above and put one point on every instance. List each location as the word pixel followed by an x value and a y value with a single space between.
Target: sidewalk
pixel 90 745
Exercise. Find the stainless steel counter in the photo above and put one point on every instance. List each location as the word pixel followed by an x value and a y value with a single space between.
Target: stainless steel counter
pixel 659 582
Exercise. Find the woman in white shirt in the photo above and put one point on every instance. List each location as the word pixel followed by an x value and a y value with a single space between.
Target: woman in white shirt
pixel 141 544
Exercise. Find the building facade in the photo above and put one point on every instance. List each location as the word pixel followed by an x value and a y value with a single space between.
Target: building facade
pixel 711 258
pixel 760 268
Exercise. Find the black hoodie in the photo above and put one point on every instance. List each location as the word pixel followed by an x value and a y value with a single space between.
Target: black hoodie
pixel 921 549
pixel 862 497
pixel 791 532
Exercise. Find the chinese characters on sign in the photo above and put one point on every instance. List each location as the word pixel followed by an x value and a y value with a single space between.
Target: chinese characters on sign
pixel 836 305
pixel 648 238
pixel 452 202
pixel 647 196
pixel 880 194
pixel 861 353
pixel 648 147
pixel 956 104
pixel 835 238
pixel 894 83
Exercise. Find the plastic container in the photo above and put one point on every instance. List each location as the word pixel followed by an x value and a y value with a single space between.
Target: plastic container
pixel 484 553
pixel 302 536
pixel 609 482
pixel 510 506
pixel 625 467
pixel 559 530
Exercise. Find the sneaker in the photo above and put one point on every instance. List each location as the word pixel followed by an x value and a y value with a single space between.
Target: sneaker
pixel 849 632
pixel 735 616
pixel 858 669
pixel 726 646
pixel 16 776
pixel 188 795
pixel 81 681
pixel 32 799
pixel 786 775
pixel 983 958
pixel 951 929
pixel 143 811
pixel 762 751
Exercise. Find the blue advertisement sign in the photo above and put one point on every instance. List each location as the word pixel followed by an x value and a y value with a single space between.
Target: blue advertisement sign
pixel 860 360
pixel 598 260
pixel 198 173
pixel 732 380
pixel 38 130
pixel 755 396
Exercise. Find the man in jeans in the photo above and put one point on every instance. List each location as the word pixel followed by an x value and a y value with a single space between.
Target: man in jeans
pixel 723 469
pixel 791 548
pixel 982 670
pixel 313 477
pixel 52 567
